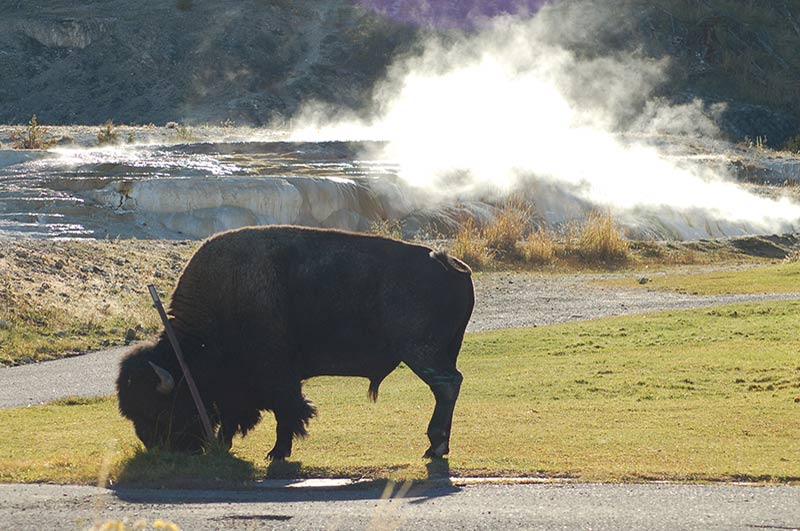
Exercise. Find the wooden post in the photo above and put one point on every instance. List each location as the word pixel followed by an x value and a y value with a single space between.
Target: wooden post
pixel 173 339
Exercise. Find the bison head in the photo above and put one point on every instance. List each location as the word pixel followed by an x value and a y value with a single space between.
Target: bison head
pixel 152 394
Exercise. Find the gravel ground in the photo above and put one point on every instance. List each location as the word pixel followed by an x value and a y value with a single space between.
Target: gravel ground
pixel 514 300
pixel 503 300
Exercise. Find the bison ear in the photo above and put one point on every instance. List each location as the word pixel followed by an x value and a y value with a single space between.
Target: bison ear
pixel 166 384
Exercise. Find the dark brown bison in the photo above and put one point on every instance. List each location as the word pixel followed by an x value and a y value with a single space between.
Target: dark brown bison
pixel 259 310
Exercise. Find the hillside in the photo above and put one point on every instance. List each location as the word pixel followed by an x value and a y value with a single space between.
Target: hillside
pixel 197 61
pixel 255 61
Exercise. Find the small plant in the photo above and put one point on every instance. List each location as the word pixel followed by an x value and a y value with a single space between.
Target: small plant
pixel 601 240
pixel 792 145
pixel 34 137
pixel 470 246
pixel 108 134
pixel 184 132
pixel 510 225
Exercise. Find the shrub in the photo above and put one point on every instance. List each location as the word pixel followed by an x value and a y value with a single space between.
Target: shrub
pixel 34 137
pixel 470 247
pixel 107 134
pixel 602 240
pixel 510 225
pixel 793 145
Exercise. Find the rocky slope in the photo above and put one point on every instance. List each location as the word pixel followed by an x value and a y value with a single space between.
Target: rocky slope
pixel 248 61
pixel 255 61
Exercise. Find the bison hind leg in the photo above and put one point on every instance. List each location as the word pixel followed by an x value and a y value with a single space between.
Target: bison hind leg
pixel 292 419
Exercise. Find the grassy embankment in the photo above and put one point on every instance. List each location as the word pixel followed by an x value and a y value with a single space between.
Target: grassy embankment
pixel 782 277
pixel 702 395
pixel 63 297
pixel 59 298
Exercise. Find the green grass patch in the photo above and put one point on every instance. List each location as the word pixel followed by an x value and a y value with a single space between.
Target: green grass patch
pixel 704 395
pixel 783 277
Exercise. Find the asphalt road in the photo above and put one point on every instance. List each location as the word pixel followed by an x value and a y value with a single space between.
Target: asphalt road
pixel 438 506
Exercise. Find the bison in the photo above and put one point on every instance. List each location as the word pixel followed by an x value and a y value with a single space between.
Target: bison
pixel 259 310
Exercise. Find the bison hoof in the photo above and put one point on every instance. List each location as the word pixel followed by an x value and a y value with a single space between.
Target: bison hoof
pixel 437 453
pixel 278 455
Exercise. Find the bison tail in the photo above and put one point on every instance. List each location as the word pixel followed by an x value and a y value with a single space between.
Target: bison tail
pixel 449 263
pixel 373 390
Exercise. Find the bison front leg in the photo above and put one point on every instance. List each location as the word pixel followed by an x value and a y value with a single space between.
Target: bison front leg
pixel 445 383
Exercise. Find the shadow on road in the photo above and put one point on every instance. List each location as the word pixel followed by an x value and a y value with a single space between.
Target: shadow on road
pixel 282 485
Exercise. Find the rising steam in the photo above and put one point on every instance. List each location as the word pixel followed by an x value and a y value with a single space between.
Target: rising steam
pixel 509 108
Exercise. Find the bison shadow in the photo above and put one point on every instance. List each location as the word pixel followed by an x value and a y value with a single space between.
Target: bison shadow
pixel 281 485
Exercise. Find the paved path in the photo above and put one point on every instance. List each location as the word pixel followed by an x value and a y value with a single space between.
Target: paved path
pixel 438 506
pixel 503 300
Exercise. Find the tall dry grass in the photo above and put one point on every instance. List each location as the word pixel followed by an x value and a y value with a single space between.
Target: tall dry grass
pixel 470 246
pixel 511 224
pixel 540 247
pixel 600 239
pixel 508 239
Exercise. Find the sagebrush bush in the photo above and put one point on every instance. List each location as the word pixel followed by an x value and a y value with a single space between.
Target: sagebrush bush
pixel 108 134
pixel 34 136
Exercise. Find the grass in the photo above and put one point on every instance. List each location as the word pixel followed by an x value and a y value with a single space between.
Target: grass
pixel 600 239
pixel 469 245
pixel 61 297
pixel 782 277
pixel 509 241
pixel 510 225
pixel 704 395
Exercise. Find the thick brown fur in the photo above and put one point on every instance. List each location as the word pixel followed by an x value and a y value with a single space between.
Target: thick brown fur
pixel 259 310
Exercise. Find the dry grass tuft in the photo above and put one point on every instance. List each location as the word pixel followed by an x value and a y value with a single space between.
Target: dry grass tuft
pixel 540 247
pixel 600 239
pixel 387 228
pixel 509 227
pixel 470 246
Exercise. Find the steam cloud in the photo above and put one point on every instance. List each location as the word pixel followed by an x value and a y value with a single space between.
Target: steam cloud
pixel 511 109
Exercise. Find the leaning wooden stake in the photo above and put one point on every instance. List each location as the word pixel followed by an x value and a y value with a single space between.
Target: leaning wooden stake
pixel 173 339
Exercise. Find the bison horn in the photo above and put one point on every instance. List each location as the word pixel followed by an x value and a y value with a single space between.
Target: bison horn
pixel 166 383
